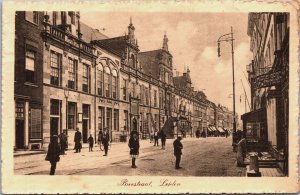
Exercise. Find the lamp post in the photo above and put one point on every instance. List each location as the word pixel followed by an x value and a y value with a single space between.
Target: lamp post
pixel 66 93
pixel 229 38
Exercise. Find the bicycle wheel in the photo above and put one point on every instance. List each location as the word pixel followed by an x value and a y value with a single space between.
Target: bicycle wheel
pixel 101 147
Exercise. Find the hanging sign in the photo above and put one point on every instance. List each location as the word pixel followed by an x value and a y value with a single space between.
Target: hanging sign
pixel 267 80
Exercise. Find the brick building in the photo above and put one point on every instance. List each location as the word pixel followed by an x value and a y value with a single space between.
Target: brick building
pixel 69 75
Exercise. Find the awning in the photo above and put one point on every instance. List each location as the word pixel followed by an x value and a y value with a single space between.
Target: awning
pixel 209 129
pixel 220 130
pixel 214 128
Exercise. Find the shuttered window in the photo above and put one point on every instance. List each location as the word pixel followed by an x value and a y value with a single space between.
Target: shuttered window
pixel 35 123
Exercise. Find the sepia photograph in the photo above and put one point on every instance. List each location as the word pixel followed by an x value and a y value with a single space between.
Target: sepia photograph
pixel 173 94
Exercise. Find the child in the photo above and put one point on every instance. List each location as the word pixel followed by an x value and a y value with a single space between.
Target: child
pixel 91 143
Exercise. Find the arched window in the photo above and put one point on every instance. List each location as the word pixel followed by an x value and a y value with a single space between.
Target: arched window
pixel 107 81
pixel 114 83
pixel 100 79
pixel 132 61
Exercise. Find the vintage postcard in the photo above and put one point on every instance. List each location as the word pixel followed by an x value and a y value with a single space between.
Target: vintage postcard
pixel 149 97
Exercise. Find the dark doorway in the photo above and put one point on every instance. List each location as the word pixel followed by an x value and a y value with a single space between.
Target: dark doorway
pixel 134 124
pixel 84 130
pixel 54 126
pixel 20 133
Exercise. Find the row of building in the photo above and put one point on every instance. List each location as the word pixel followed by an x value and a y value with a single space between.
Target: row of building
pixel 268 74
pixel 69 75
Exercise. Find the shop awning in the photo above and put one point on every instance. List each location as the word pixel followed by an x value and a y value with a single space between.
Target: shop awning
pixel 209 129
pixel 214 128
pixel 220 130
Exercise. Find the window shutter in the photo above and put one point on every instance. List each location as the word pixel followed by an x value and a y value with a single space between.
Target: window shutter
pixel 36 123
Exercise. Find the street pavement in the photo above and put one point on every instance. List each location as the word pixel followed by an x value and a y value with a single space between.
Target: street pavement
pixel 210 156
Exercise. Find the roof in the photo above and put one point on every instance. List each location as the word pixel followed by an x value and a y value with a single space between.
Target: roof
pixel 89 34
pixel 115 45
pixel 149 62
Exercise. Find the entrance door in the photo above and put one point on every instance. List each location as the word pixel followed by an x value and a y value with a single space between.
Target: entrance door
pixel 53 126
pixel 84 130
pixel 134 124
pixel 20 133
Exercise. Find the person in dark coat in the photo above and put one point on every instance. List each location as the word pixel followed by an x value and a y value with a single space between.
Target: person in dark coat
pixel 63 142
pixel 177 151
pixel 53 153
pixel 134 146
pixel 163 138
pixel 105 141
pixel 77 140
pixel 197 133
pixel 91 143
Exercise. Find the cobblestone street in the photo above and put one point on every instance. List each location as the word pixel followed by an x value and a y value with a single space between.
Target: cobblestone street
pixel 211 156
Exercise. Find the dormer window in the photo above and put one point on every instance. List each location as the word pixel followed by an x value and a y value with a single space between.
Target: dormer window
pixel 132 61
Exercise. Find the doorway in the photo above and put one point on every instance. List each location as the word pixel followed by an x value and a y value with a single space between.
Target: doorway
pixel 20 133
pixel 54 126
pixel 85 130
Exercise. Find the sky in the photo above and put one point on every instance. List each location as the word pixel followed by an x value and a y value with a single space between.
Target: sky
pixel 193 44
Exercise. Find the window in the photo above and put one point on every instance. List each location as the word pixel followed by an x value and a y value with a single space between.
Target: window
pixel 32 17
pixel 54 107
pixel 133 90
pixel 55 64
pixel 72 17
pixel 116 120
pixel 107 82
pixel 155 98
pixel 86 78
pixel 71 115
pixel 101 118
pixel 35 123
pixel 114 87
pixel 108 118
pixel 125 120
pixel 20 110
pixel 142 93
pixel 132 61
pixel 147 96
pixel 100 80
pixel 124 88
pixel 30 66
pixel 72 82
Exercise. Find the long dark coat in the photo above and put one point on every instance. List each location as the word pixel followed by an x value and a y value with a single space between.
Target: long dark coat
pixel 105 138
pixel 177 147
pixel 163 136
pixel 134 146
pixel 53 152
pixel 77 140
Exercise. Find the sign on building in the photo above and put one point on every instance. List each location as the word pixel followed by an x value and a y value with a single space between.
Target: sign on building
pixel 267 80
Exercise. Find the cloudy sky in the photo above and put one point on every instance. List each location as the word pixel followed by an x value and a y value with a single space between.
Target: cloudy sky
pixel 193 43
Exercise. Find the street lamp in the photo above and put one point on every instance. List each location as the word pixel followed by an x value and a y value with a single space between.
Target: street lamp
pixel 229 38
pixel 66 93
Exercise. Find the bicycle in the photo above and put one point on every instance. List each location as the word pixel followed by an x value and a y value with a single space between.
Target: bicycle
pixel 102 147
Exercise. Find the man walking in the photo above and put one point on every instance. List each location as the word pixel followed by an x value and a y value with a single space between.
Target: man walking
pixel 177 151
pixel 163 137
pixel 77 140
pixel 63 142
pixel 105 141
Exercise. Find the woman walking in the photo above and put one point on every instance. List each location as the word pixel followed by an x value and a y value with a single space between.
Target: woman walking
pixel 53 153
pixel 134 146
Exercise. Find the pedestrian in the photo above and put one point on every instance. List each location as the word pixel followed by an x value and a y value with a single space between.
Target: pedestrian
pixel 105 141
pixel 197 133
pixel 77 140
pixel 91 143
pixel 241 149
pixel 163 137
pixel 99 138
pixel 53 153
pixel 177 152
pixel 155 138
pixel 134 146
pixel 63 142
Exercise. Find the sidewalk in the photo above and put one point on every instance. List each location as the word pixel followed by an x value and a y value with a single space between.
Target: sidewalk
pixel 19 153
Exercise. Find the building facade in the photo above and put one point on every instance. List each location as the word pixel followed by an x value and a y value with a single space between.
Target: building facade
pixel 69 75
pixel 268 74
